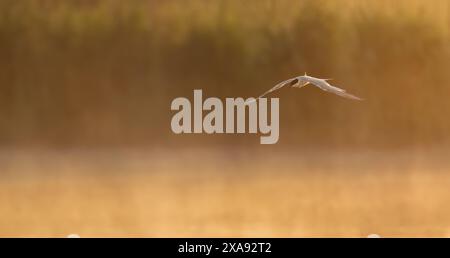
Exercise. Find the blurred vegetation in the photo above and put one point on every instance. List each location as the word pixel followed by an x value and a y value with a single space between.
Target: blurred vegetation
pixel 104 72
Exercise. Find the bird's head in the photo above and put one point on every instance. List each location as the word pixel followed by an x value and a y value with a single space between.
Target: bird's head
pixel 294 82
pixel 298 82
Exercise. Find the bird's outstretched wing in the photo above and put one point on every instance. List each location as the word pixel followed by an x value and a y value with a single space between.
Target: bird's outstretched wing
pixel 278 86
pixel 324 85
pixel 347 95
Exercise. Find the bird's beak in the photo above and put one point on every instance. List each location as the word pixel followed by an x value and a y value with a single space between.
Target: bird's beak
pixel 304 84
pixel 301 86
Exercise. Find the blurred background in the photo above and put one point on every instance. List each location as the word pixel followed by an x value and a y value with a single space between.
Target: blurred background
pixel 86 146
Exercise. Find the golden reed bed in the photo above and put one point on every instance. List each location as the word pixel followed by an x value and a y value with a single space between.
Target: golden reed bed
pixel 206 193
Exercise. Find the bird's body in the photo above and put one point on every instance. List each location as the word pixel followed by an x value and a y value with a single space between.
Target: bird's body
pixel 303 80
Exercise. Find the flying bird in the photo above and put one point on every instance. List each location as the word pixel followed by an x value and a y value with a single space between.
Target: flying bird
pixel 303 80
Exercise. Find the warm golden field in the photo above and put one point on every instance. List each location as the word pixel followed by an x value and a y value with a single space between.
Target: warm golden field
pixel 232 193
